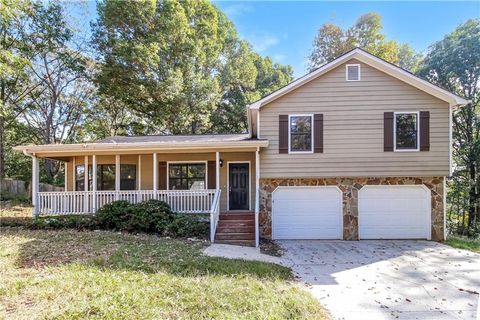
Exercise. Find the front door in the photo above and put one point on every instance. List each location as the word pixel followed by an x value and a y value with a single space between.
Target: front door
pixel 238 192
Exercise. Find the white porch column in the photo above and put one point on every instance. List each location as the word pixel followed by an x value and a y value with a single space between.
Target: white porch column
pixel 74 186
pixel 117 176
pixel 217 170
pixel 65 175
pixel 155 175
pixel 139 173
pixel 257 196
pixel 85 187
pixel 35 186
pixel 94 183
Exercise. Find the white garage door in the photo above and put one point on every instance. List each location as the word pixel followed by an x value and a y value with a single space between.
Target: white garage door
pixel 307 213
pixel 394 212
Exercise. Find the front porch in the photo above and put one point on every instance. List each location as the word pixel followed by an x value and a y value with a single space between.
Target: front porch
pixel 203 174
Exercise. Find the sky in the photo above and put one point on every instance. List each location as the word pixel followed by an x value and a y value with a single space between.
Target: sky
pixel 284 30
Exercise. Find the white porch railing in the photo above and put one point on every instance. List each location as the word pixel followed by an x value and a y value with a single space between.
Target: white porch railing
pixel 84 202
pixel 215 214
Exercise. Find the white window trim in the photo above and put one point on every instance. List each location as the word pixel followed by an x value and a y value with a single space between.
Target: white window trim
pixel 205 162
pixel 359 71
pixel 417 113
pixel 289 135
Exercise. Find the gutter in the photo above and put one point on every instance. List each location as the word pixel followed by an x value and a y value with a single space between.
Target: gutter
pixel 68 149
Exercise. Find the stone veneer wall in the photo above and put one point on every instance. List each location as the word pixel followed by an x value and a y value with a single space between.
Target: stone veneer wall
pixel 350 188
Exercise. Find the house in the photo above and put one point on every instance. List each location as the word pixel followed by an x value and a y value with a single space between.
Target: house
pixel 357 149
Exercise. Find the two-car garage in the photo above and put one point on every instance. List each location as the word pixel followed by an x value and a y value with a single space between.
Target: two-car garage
pixel 384 212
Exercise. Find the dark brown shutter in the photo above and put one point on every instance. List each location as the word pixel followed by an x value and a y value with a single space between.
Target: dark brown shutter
pixel 283 133
pixel 212 174
pixel 424 130
pixel 388 131
pixel 318 133
pixel 162 175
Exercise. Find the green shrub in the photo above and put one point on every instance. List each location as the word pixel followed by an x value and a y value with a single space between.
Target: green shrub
pixel 80 222
pixel 148 216
pixel 187 225
pixel 115 215
pixel 151 216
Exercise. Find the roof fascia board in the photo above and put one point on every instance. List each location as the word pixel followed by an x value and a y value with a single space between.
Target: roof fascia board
pixel 101 147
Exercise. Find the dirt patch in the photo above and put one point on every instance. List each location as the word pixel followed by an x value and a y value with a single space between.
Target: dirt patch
pixel 270 247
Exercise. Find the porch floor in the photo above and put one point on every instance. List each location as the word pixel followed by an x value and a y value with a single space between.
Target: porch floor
pixel 237 228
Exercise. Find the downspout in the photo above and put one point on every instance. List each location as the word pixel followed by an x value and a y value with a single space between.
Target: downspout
pixel 257 197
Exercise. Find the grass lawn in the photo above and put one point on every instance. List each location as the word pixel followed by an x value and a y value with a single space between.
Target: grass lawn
pixel 107 275
pixel 465 243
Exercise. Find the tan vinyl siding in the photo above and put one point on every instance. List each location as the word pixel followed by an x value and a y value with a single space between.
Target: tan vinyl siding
pixel 147 168
pixel 353 128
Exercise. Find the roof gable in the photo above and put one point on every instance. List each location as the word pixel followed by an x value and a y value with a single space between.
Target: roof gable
pixel 373 61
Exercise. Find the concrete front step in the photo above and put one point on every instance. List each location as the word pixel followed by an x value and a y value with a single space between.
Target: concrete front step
pixel 235 236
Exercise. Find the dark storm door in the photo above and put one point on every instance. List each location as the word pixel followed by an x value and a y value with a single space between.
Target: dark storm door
pixel 238 186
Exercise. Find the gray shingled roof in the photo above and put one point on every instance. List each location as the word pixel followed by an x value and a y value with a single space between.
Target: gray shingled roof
pixel 176 138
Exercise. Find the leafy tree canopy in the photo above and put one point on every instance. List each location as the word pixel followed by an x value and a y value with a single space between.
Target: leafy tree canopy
pixel 178 64
pixel 454 63
pixel 332 41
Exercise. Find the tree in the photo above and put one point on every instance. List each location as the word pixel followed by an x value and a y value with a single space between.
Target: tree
pixel 331 42
pixel 15 52
pixel 454 63
pixel 53 110
pixel 160 60
pixel 179 64
pixel 245 78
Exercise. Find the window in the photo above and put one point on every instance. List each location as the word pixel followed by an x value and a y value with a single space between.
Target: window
pixel 353 72
pixel 106 177
pixel 406 131
pixel 128 174
pixel 79 178
pixel 300 133
pixel 186 176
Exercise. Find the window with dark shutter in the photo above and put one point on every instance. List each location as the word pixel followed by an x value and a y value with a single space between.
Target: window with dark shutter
pixel 283 133
pixel 318 133
pixel 424 131
pixel 212 174
pixel 301 133
pixel 162 174
pixel 388 132
pixel 406 131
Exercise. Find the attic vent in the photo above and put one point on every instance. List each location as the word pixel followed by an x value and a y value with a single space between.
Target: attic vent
pixel 353 72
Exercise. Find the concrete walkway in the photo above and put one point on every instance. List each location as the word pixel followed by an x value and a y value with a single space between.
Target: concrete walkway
pixel 239 252
pixel 387 279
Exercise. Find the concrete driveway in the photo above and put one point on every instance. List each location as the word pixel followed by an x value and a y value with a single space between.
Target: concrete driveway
pixel 387 279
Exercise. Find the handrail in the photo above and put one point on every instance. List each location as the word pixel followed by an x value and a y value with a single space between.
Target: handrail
pixel 87 202
pixel 215 214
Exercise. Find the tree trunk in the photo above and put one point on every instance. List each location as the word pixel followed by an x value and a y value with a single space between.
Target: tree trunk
pixel 2 145
pixel 51 170
pixel 2 131
pixel 472 205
